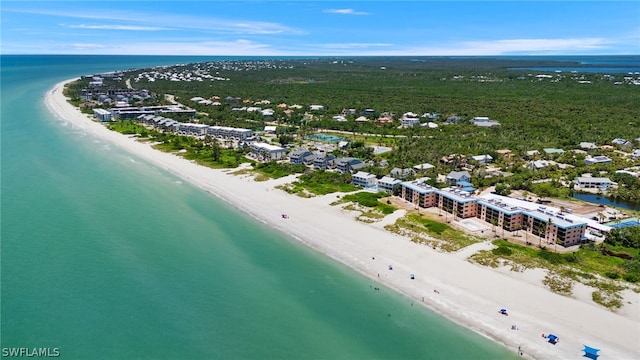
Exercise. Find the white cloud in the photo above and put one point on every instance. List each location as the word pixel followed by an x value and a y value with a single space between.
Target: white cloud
pixel 84 47
pixel 116 27
pixel 345 12
pixel 238 47
pixel 140 21
pixel 354 45
pixel 506 46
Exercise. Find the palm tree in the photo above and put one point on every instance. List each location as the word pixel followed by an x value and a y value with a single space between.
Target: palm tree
pixel 540 228
pixel 494 222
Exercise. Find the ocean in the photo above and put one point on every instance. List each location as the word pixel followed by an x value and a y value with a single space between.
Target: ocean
pixel 104 256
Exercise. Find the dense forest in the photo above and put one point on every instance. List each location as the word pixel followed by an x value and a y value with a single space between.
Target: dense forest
pixel 536 109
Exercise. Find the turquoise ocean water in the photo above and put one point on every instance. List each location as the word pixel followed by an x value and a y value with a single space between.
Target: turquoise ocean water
pixel 105 256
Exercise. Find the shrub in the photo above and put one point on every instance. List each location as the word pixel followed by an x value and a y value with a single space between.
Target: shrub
pixel 612 274
pixel 551 257
pixel 502 251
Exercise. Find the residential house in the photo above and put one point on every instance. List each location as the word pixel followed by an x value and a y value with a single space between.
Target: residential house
pixel 483 159
pixel 456 176
pixel 409 119
pixel 316 108
pixel 382 120
pixel 636 154
pixel 368 112
pixel 552 151
pixel 506 153
pixel 621 142
pixel 588 145
pixel 364 179
pixel 454 160
pixel 403 174
pixel 592 182
pixel 323 161
pixel 297 157
pixel 432 116
pixel 348 164
pixel 532 153
pixel 537 164
pixel 601 159
pixel 339 118
pixel 308 160
pixel 430 125
pixel 453 119
pixel 425 166
pixel 388 184
pixel 484 121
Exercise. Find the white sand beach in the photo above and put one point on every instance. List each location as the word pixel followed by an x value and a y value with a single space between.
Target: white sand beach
pixel 468 294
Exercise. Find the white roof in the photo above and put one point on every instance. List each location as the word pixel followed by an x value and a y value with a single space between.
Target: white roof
pixel 268 146
pixel 362 174
pixel 423 166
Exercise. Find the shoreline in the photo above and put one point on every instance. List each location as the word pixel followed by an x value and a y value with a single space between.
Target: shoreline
pixel 468 294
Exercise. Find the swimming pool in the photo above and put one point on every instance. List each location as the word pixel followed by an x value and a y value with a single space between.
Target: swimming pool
pixel 325 138
pixel 624 223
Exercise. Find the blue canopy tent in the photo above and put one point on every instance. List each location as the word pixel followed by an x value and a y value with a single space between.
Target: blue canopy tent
pixel 591 353
pixel 553 339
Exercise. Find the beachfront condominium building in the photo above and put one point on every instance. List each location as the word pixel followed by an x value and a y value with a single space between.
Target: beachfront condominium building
pixel 418 193
pixel 554 227
pixel 549 224
pixel 225 132
pixel 501 214
pixel 189 129
pixel 389 184
pixel 102 115
pixel 457 201
pixel 364 179
pixel 267 152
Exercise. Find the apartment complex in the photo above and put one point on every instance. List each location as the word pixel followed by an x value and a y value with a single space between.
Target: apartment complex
pixel 503 212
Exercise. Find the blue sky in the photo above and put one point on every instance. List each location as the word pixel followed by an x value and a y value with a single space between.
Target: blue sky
pixel 270 28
